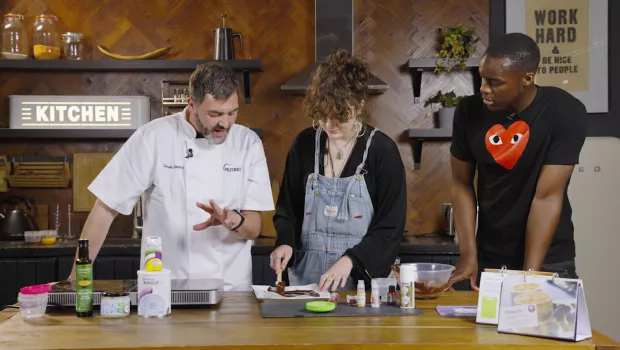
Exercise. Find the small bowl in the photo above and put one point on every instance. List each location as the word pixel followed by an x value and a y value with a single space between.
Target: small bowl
pixel 33 300
pixel 48 237
pixel 32 237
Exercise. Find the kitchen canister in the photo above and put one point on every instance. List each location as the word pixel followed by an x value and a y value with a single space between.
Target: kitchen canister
pixel 407 286
pixel 115 304
pixel 154 293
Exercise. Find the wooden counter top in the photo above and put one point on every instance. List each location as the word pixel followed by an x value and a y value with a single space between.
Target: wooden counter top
pixel 236 323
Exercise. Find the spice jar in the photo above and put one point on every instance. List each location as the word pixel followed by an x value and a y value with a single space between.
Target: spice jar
pixel 14 37
pixel 115 305
pixel 72 46
pixel 45 38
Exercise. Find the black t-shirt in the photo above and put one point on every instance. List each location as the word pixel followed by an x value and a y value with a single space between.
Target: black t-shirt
pixel 510 155
pixel 384 174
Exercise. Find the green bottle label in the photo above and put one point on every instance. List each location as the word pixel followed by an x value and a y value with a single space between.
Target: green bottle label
pixel 84 288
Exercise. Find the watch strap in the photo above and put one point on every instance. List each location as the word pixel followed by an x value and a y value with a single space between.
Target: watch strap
pixel 240 222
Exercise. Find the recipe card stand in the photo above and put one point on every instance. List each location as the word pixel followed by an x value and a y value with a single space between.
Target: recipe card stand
pixel 534 303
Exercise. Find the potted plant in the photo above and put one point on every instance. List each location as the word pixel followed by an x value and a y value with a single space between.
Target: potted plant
pixel 456 47
pixel 448 102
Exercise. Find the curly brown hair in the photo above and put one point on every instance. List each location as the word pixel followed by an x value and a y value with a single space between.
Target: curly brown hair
pixel 337 85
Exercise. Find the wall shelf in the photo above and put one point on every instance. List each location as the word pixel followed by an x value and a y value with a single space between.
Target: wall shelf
pixel 417 66
pixel 111 65
pixel 74 134
pixel 418 136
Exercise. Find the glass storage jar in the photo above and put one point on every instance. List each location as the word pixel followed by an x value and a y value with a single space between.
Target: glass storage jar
pixel 14 37
pixel 115 304
pixel 45 38
pixel 72 46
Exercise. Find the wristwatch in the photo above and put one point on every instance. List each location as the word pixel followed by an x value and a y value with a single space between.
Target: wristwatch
pixel 240 222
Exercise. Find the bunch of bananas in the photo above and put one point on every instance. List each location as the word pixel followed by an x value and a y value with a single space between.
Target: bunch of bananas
pixel 147 56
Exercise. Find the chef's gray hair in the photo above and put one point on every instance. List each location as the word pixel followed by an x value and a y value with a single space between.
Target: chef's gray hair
pixel 215 79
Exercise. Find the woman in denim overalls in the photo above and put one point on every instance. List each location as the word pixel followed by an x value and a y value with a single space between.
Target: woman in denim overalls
pixel 338 208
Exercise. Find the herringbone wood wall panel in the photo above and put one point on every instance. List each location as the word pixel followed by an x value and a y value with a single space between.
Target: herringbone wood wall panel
pixel 281 33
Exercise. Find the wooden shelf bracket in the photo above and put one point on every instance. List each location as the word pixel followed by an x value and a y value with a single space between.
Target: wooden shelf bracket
pixel 419 136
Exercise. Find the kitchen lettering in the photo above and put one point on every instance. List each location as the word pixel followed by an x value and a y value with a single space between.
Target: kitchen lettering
pixel 103 114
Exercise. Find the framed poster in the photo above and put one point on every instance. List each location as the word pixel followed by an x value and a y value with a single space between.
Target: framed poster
pixel 573 40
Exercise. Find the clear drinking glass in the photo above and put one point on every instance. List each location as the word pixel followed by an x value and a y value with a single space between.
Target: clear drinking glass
pixel 45 37
pixel 14 37
pixel 72 46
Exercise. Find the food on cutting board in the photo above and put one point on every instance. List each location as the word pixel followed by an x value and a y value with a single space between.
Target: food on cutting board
pixel 292 293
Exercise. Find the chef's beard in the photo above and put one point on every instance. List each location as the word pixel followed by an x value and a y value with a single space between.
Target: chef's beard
pixel 208 132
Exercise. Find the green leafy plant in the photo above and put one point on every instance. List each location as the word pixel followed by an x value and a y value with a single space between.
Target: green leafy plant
pixel 447 100
pixel 456 47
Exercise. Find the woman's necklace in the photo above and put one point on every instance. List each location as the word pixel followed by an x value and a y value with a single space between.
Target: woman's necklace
pixel 340 155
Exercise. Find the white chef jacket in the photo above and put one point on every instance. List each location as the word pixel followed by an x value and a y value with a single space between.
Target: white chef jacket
pixel 154 162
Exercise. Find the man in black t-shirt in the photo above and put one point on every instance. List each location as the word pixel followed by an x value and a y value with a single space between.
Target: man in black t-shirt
pixel 524 140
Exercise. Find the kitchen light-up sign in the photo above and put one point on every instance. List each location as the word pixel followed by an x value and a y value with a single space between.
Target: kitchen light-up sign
pixel 78 112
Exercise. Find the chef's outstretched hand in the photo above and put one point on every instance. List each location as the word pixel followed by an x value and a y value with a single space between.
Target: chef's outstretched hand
pixel 219 216
pixel 336 275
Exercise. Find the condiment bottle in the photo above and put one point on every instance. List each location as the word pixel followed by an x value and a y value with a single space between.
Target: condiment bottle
pixel 84 281
pixel 391 298
pixel 361 294
pixel 375 298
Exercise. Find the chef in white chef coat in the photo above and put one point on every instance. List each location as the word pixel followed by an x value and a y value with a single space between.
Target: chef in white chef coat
pixel 204 180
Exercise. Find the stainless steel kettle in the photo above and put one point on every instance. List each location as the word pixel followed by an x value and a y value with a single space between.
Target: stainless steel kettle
pixel 14 223
pixel 448 221
pixel 224 48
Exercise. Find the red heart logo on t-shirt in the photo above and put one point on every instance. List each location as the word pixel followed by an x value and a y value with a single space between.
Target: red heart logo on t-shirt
pixel 507 146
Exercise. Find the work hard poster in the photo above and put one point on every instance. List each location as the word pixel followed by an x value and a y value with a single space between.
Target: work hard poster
pixel 562 33
pixel 573 40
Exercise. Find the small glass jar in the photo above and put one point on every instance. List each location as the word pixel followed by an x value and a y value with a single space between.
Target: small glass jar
pixel 72 46
pixel 45 38
pixel 14 37
pixel 115 304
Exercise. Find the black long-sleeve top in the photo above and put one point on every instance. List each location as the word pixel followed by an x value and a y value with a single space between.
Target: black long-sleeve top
pixel 384 174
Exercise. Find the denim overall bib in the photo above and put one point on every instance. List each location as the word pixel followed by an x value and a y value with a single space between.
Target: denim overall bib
pixel 337 213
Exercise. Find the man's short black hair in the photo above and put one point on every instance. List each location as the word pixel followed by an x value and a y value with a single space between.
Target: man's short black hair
pixel 518 50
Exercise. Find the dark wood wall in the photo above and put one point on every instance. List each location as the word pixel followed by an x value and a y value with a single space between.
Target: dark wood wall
pixel 281 33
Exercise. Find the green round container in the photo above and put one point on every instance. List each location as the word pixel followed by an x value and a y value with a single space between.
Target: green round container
pixel 320 306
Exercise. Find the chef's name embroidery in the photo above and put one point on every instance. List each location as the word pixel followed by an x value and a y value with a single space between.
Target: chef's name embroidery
pixel 173 166
pixel 230 169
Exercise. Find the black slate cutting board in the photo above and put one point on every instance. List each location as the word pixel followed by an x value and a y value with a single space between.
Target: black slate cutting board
pixel 288 309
